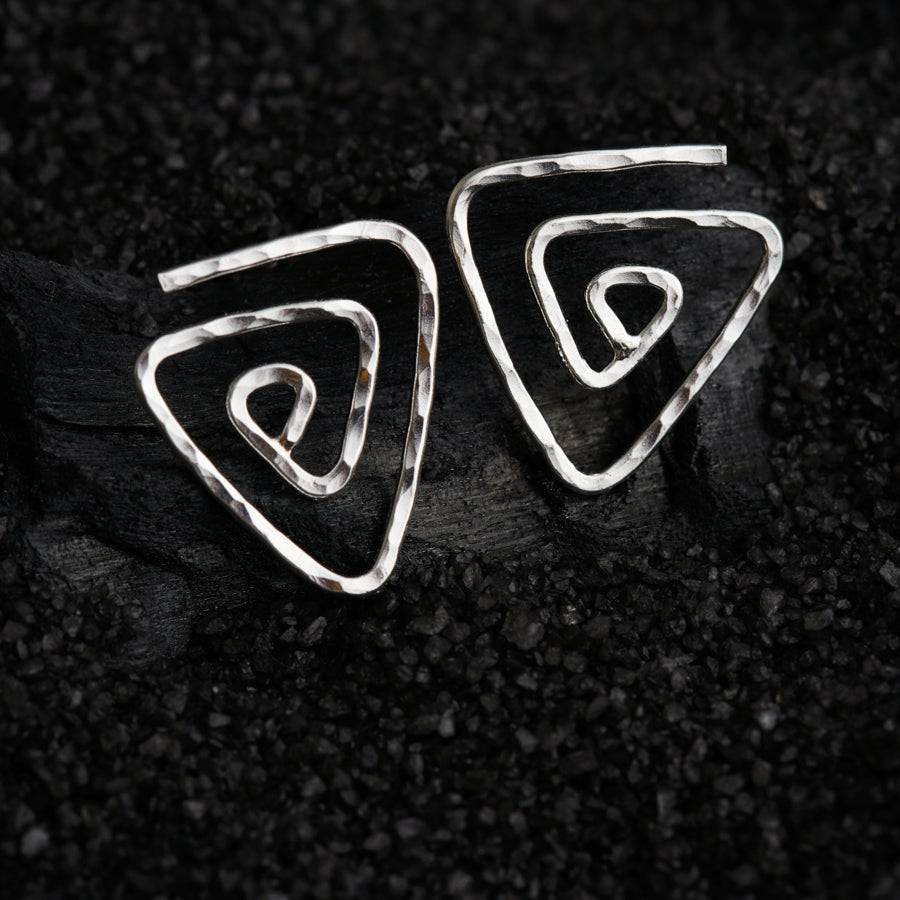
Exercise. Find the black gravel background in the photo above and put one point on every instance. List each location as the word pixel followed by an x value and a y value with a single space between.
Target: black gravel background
pixel 706 718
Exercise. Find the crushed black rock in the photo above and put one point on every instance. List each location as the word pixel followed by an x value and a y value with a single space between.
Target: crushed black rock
pixel 690 718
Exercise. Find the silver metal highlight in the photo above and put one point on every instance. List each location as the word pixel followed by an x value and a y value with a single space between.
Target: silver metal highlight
pixel 628 349
pixel 277 451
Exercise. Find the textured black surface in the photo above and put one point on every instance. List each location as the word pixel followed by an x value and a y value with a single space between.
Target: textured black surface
pixel 687 688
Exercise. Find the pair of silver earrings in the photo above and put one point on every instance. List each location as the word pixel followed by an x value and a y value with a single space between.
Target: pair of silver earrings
pixel 628 349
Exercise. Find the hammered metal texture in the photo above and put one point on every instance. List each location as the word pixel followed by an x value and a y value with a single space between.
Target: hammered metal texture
pixel 628 349
pixel 602 161
pixel 241 323
pixel 278 451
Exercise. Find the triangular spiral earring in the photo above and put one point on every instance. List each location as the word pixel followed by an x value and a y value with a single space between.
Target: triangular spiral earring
pixel 277 451
pixel 628 349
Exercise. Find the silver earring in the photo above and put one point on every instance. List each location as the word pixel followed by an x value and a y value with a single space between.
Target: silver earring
pixel 628 349
pixel 277 451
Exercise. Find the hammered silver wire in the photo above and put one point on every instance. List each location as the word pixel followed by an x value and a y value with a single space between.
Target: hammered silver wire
pixel 241 323
pixel 602 161
pixel 628 349
pixel 278 451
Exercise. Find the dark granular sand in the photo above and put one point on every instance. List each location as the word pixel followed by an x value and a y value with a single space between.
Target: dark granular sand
pixel 693 716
